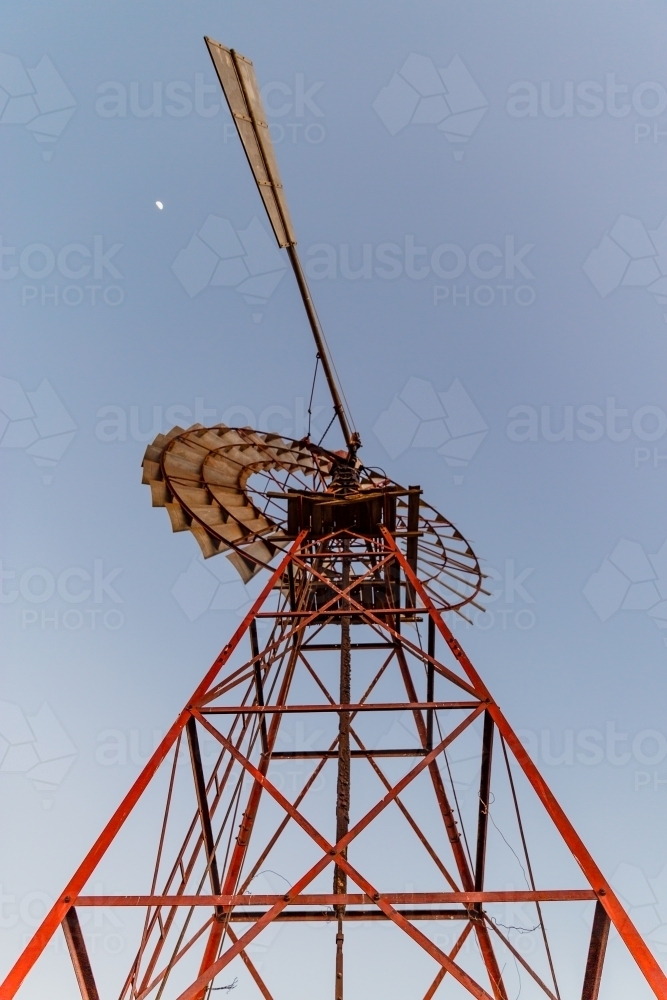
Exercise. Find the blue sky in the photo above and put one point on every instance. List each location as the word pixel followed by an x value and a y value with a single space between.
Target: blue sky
pixel 516 250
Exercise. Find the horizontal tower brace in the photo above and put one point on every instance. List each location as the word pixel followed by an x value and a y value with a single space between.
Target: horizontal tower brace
pixel 399 706
pixel 346 899
pixel 333 754
pixel 326 916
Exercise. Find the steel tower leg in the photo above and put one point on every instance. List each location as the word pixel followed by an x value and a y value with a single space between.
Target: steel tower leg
pixel 79 955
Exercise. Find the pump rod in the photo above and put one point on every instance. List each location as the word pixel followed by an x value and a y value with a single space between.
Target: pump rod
pixel 351 439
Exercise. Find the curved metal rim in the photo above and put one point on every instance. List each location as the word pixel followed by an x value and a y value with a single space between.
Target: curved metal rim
pixel 460 566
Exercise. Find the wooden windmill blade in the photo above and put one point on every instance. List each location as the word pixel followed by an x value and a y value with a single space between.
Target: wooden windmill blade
pixel 200 476
pixel 239 84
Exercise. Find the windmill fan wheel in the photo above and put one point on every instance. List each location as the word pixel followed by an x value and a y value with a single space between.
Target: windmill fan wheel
pixel 226 485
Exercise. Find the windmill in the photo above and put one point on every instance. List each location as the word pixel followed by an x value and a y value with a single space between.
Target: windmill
pixel 359 574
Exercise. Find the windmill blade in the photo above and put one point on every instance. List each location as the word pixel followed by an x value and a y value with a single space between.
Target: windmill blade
pixel 200 476
pixel 239 83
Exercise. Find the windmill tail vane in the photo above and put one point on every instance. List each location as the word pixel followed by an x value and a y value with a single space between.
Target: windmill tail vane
pixel 239 84
pixel 345 677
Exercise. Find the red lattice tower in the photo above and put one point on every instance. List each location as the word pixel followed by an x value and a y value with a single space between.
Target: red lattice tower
pixel 353 633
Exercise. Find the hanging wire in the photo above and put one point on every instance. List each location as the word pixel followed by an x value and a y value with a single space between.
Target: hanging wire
pixel 513 927
pixel 520 930
pixel 270 871
pixel 518 975
pixel 234 799
pixel 449 770
pixel 312 393
pixel 492 799
pixel 456 798
pixel 375 468
pixel 346 405
pixel 529 866
pixel 327 430
pixel 252 740
pixel 172 778
pixel 230 986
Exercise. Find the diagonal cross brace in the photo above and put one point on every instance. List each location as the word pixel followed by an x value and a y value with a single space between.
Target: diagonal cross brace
pixel 485 944
pixel 379 807
pixel 333 853
pixel 355 606
pixel 606 895
pixel 306 622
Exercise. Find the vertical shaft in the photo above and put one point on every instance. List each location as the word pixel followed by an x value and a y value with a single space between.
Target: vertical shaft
pixel 343 785
pixel 202 803
pixel 412 544
pixel 292 590
pixel 259 689
pixel 430 684
pixel 484 798
pixel 339 960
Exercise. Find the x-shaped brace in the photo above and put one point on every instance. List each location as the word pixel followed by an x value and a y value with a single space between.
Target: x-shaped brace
pixel 333 852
